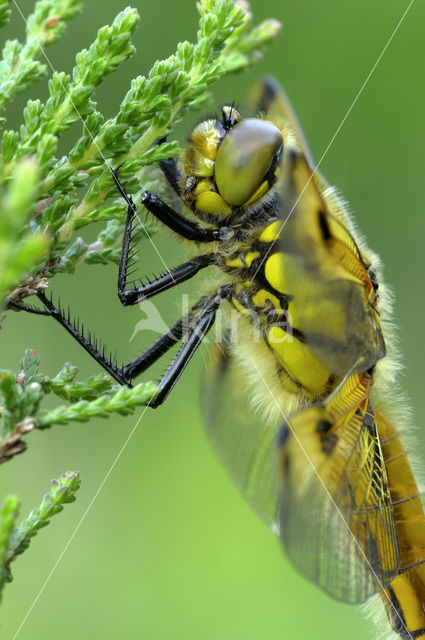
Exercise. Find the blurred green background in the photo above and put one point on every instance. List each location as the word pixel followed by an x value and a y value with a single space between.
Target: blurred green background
pixel 169 549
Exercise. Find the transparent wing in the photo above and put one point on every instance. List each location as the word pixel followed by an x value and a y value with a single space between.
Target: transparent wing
pixel 332 304
pixel 337 521
pixel 243 440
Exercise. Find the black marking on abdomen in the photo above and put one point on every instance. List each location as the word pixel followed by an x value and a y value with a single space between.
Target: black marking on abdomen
pixel 398 622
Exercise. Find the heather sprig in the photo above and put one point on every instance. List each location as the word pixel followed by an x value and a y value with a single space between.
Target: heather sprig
pixel 21 395
pixel 20 65
pixel 15 539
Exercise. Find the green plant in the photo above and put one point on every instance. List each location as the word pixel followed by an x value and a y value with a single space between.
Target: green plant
pixel 40 195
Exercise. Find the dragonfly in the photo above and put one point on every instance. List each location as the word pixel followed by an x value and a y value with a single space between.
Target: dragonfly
pixel 297 400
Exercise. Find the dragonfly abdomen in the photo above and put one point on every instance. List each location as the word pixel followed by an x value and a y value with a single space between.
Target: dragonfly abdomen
pixel 404 599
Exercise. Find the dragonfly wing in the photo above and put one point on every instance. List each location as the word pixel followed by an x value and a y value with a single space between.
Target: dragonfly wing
pixel 336 515
pixel 332 304
pixel 241 436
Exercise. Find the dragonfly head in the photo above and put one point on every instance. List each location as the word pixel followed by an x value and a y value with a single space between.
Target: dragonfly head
pixel 231 165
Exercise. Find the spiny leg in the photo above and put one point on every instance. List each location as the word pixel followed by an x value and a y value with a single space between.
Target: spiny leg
pixel 124 374
pixel 202 324
pixel 154 352
pixel 127 297
pixel 166 281
pixel 174 277
pixel 178 331
pixel 86 342
pixel 181 273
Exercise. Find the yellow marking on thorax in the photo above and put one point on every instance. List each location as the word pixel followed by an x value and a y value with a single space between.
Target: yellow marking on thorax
pixel 243 260
pixel 299 361
pixel 275 273
pixel 206 184
pixel 212 202
pixel 271 232
pixel 263 296
pixel 235 262
pixel 250 257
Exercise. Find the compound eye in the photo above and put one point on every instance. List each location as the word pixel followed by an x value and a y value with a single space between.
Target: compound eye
pixel 244 158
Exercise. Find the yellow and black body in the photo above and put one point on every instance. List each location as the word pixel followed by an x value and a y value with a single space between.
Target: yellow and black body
pixel 338 488
pixel 298 397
